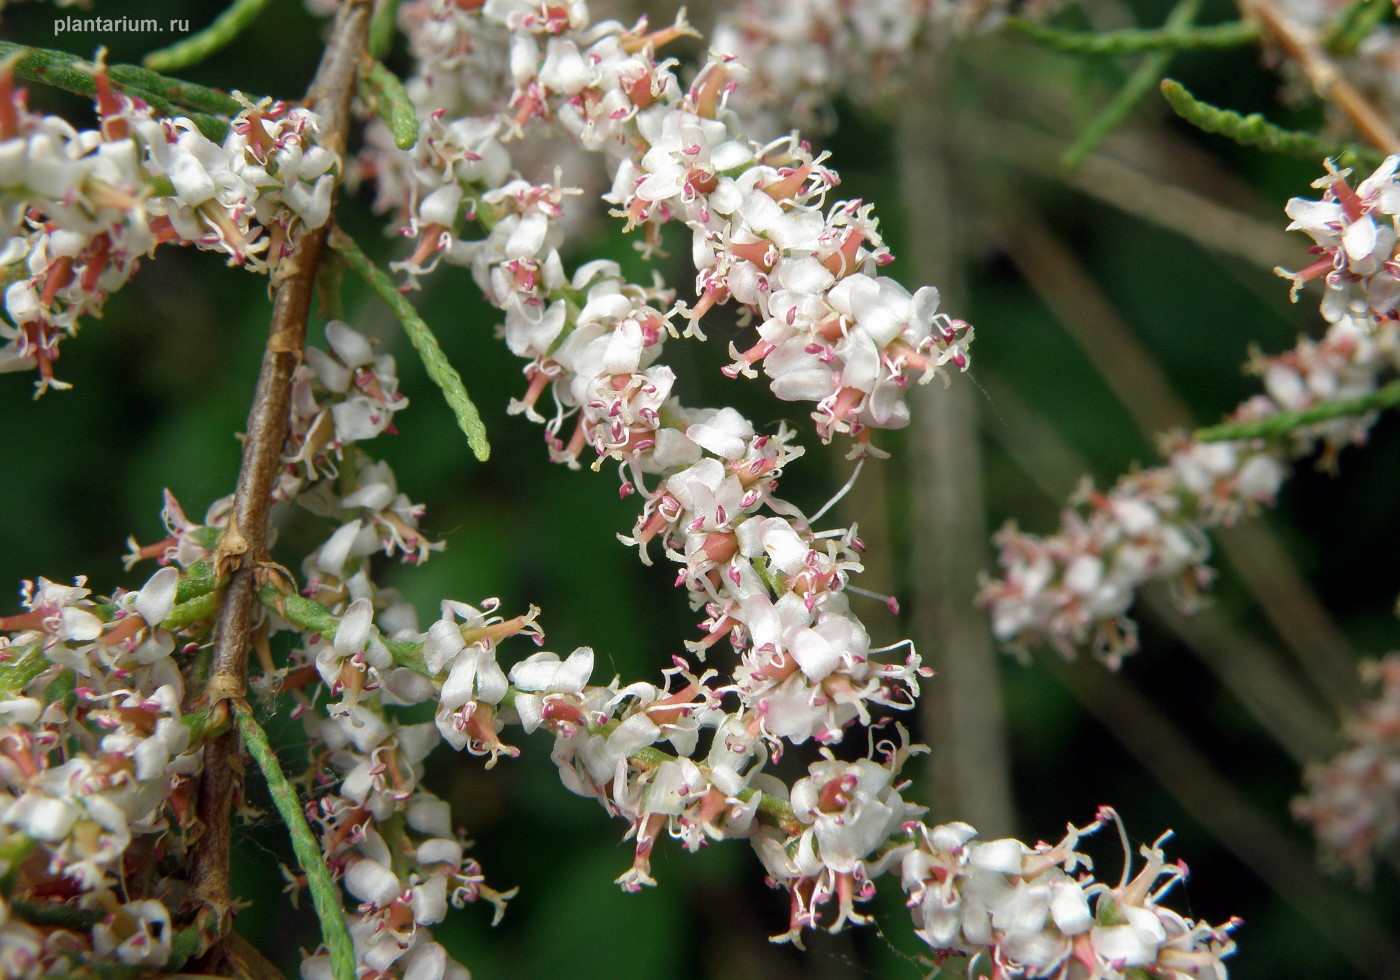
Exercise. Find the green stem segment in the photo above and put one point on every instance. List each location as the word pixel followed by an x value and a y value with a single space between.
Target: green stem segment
pixel 1355 24
pixel 62 916
pixel 390 102
pixel 201 44
pixel 1132 91
pixel 444 375
pixel 167 96
pixel 308 614
pixel 382 28
pixel 1255 130
pixel 1139 41
pixel 325 894
pixel 1285 422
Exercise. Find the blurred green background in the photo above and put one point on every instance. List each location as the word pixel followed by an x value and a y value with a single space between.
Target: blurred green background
pixel 1052 265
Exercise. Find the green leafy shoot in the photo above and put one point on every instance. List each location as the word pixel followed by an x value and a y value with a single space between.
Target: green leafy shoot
pixel 1286 422
pixel 1117 44
pixel 201 44
pixel 443 374
pixel 1254 130
pixel 1139 82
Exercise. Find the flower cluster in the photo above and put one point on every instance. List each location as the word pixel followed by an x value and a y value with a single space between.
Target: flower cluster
pixel 829 329
pixel 387 839
pixel 804 54
pixel 1353 800
pixel 97 758
pixel 1354 231
pixel 830 332
pixel 390 841
pixel 101 729
pixel 101 742
pixel 1026 912
pixel 1074 587
pixel 80 208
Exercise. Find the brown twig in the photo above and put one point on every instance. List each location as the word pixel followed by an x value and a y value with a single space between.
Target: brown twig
pixel 1327 81
pixel 243 547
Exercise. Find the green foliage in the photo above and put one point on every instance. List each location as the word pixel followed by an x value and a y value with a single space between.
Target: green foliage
pixel 325 893
pixel 390 102
pixel 1133 41
pixel 201 44
pixel 168 96
pixel 443 374
pixel 1358 21
pixel 1137 85
pixel 1255 130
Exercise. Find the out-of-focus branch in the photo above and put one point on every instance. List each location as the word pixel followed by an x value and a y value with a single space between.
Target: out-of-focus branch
pixel 1211 224
pixel 962 708
pixel 243 546
pixel 1081 307
pixel 1303 49
pixel 1271 692
pixel 1138 83
pixel 1207 795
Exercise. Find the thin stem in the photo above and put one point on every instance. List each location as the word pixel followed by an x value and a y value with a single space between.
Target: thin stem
pixel 1132 91
pixel 201 44
pixel 312 616
pixel 325 894
pixel 965 713
pixel 1285 422
pixel 1355 24
pixel 390 102
pixel 836 498
pixel 443 374
pixel 1138 41
pixel 382 28
pixel 243 546
pixel 48 914
pixel 1255 130
pixel 1141 191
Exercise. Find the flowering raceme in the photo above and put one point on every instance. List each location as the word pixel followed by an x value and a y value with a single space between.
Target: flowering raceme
pixel 1074 588
pixel 117 713
pixel 79 209
pixel 1352 800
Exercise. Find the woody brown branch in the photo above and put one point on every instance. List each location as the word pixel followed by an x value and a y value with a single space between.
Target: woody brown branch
pixel 243 547
pixel 1327 81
